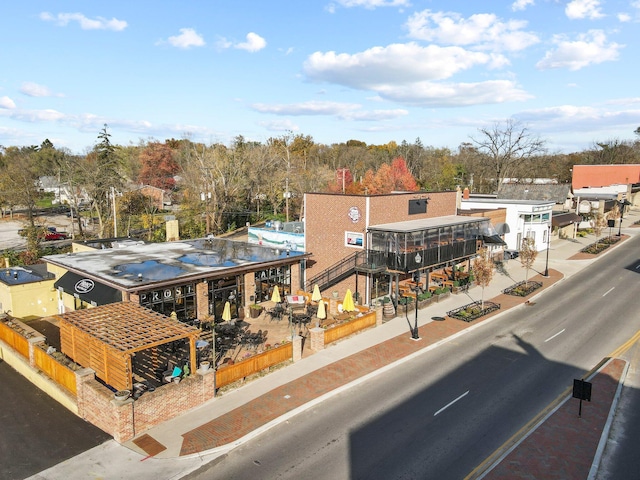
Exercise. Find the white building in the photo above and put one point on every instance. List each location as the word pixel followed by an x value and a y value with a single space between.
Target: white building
pixel 524 218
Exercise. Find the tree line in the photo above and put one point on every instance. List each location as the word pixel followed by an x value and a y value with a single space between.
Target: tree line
pixel 220 187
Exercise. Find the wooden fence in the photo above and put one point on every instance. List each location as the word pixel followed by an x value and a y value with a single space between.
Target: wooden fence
pixel 349 328
pixel 62 375
pixel 14 340
pixel 230 373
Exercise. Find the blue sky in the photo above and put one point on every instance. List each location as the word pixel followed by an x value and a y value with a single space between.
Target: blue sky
pixel 370 70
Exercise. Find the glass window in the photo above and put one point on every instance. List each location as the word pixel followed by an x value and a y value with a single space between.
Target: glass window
pixel 267 279
pixel 180 299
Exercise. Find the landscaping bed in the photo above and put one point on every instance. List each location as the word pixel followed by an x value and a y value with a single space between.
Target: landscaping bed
pixel 522 289
pixel 473 311
pixel 600 246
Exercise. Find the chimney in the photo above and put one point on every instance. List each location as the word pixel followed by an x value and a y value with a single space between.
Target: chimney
pixel 465 193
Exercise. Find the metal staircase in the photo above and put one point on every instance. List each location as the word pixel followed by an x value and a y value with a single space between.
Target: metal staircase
pixel 359 261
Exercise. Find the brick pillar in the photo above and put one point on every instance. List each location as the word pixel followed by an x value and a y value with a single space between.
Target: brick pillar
pixel 317 339
pixel 32 342
pixel 208 384
pixel 379 315
pixel 295 278
pixel 249 281
pixel 202 300
pixel 82 377
pixel 296 340
pixel 122 413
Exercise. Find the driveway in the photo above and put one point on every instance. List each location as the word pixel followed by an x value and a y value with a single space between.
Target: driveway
pixel 37 432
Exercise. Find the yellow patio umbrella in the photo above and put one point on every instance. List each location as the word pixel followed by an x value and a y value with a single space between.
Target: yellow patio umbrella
pixel 322 311
pixel 226 313
pixel 275 296
pixel 347 303
pixel 316 297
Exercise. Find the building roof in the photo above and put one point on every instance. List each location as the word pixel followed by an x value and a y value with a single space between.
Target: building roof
pixel 604 175
pixel 556 193
pixel 506 201
pixel 21 275
pixel 134 266
pixel 426 223
pixel 127 327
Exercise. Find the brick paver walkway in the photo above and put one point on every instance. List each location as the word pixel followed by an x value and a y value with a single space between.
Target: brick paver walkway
pixel 564 446
pixel 247 418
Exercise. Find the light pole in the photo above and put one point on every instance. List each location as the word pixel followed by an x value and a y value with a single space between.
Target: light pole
pixel 546 267
pixel 414 331
pixel 621 204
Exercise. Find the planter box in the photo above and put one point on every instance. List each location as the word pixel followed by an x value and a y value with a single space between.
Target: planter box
pixel 255 312
pixel 442 296
pixel 424 303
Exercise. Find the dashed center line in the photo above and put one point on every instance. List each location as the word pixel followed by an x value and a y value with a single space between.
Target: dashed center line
pixel 451 403
pixel 608 291
pixel 554 336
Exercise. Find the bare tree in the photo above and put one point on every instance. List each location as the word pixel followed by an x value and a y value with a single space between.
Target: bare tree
pixel 599 224
pixel 483 269
pixel 528 255
pixel 506 147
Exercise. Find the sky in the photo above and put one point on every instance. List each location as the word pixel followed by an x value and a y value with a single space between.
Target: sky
pixel 336 70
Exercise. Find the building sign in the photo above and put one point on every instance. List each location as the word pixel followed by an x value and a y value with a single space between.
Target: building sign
pixel 354 214
pixel 84 286
pixel 353 239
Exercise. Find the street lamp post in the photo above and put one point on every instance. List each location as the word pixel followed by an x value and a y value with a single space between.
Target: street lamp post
pixel 414 332
pixel 621 204
pixel 546 267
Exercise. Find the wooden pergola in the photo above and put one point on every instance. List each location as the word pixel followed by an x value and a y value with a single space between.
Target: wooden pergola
pixel 105 338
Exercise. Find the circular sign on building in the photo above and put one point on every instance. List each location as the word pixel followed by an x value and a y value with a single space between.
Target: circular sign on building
pixel 84 286
pixel 354 214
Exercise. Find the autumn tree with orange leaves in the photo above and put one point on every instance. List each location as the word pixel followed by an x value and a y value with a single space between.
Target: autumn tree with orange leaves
pixel 158 166
pixel 388 178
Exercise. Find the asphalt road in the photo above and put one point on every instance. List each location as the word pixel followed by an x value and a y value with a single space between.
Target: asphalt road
pixel 36 431
pixel 441 414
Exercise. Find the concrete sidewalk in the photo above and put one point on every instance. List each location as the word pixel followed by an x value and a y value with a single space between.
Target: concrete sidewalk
pixel 227 421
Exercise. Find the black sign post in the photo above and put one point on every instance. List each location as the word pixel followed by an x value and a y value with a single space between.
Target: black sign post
pixel 581 390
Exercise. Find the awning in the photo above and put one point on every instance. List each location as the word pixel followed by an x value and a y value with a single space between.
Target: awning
pixel 87 290
pixel 563 219
pixel 493 239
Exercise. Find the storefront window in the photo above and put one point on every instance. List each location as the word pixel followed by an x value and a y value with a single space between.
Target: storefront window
pixel 223 290
pixel 180 299
pixel 267 279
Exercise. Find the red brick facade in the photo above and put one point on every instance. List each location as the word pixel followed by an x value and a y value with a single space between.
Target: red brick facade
pixel 328 218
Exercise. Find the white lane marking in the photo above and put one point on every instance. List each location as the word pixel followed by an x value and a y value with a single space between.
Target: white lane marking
pixel 554 336
pixel 608 291
pixel 451 403
pixel 637 266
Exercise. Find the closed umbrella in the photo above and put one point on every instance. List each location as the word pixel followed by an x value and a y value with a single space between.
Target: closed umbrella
pixel 316 297
pixel 347 303
pixel 275 296
pixel 226 313
pixel 322 311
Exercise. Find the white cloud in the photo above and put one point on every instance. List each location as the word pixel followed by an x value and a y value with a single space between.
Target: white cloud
pixel 521 4
pixel 410 74
pixel 254 43
pixel 371 4
pixel 431 94
pixel 579 9
pixel 588 49
pixel 571 118
pixel 624 17
pixel 33 89
pixel 188 38
pixel 6 102
pixel 393 64
pixel 345 111
pixel 483 30
pixel 99 23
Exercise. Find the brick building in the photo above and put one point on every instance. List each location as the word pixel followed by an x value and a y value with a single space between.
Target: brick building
pixel 369 242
